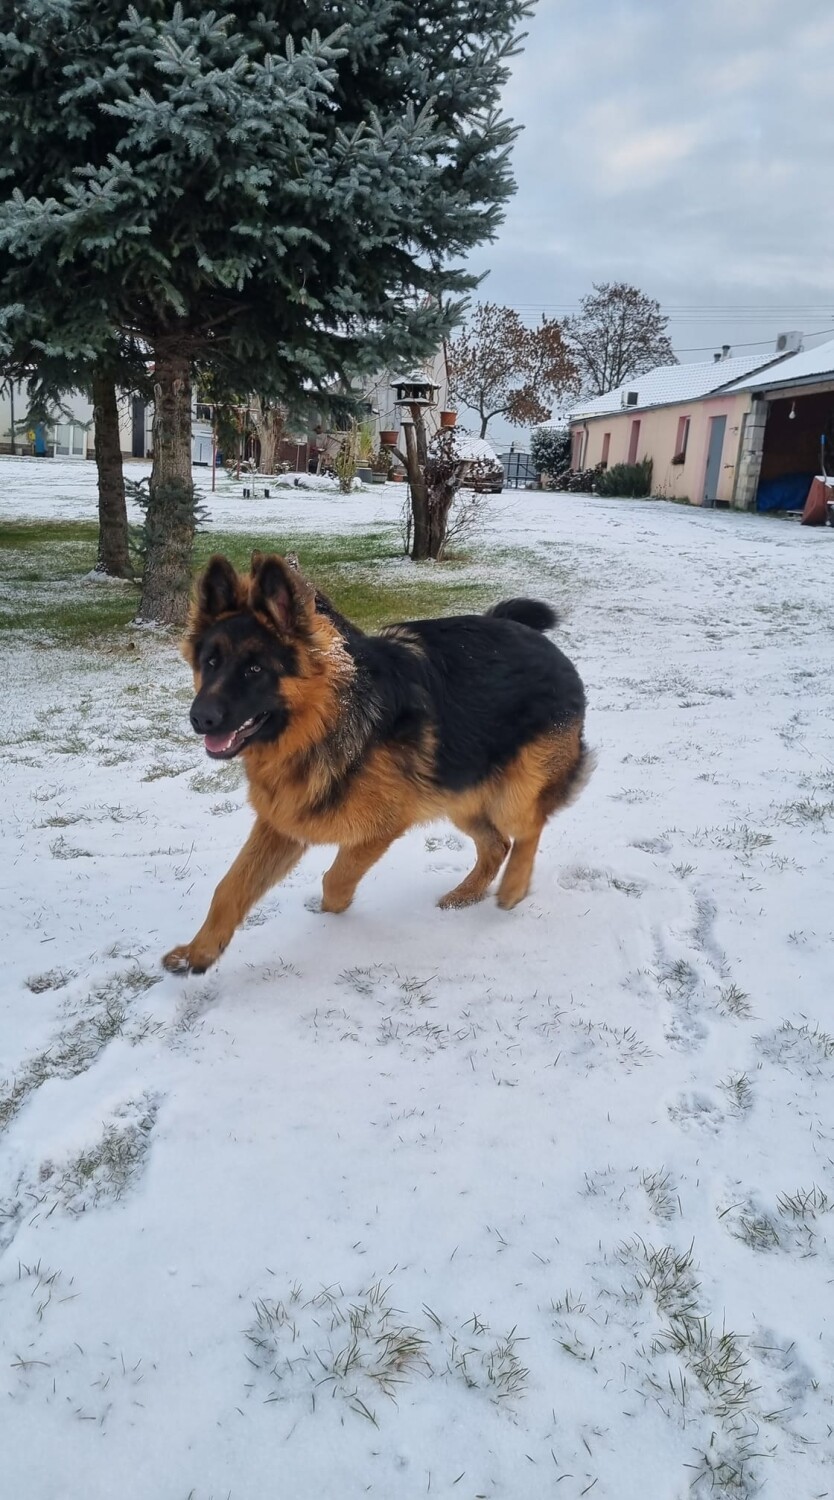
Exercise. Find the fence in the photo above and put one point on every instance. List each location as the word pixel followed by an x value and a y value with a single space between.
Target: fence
pixel 518 468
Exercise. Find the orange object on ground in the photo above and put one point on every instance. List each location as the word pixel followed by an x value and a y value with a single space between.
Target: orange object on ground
pixel 814 512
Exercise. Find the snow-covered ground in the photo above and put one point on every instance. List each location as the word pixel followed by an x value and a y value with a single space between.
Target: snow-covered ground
pixel 408 1202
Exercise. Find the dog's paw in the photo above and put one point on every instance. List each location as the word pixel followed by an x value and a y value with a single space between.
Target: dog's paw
pixel 188 960
pixel 457 899
pixel 333 903
pixel 509 896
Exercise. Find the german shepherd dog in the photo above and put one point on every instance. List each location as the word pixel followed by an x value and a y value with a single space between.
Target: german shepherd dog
pixel 351 739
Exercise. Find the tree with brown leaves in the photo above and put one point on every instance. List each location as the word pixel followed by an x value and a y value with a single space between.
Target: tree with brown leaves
pixel 619 332
pixel 500 368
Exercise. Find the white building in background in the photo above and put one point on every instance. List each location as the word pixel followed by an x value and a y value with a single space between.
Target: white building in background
pixel 70 437
pixel 73 434
pixel 379 393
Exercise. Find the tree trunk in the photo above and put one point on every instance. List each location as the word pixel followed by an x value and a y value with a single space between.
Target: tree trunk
pixel 421 530
pixel 170 523
pixel 419 494
pixel 432 492
pixel 268 422
pixel 430 506
pixel 113 549
pixel 440 503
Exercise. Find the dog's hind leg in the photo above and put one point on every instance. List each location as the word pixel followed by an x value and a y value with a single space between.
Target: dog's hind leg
pixel 516 880
pixel 552 776
pixel 351 863
pixel 266 857
pixel 492 849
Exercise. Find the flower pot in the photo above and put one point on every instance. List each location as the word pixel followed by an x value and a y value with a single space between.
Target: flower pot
pixel 365 475
pixel 388 438
pixel 448 419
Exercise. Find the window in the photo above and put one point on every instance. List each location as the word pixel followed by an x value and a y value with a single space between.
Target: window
pixel 633 441
pixel 204 412
pixel 606 444
pixel 69 440
pixel 681 440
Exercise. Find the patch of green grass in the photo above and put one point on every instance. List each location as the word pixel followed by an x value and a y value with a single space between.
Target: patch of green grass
pixel 738 1091
pixel 42 565
pixel 662 1193
pixel 74 1049
pixel 109 1167
pixel 40 551
pixel 314 550
pixel 161 769
pixel 805 811
pixel 732 1001
pixel 805 1203
pixel 355 570
pixel 72 619
pixel 667 1274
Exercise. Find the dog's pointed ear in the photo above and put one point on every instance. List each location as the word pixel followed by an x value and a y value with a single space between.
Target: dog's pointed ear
pixel 284 595
pixel 256 562
pixel 218 590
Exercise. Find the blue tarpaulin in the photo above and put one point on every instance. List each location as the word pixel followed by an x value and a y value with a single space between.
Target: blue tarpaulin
pixel 788 492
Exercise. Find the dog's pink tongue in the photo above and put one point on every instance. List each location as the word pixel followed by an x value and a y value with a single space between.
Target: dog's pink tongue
pixel 218 742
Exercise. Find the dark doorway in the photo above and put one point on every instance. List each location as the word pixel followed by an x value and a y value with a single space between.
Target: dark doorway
pixel 792 455
pixel 138 411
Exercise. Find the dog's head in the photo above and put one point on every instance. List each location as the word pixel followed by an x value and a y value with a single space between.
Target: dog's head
pixel 253 641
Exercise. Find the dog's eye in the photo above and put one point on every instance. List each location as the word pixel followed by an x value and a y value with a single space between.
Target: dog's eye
pixel 252 669
pixel 212 662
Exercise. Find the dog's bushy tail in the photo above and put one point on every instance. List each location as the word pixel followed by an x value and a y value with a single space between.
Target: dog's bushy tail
pixel 530 612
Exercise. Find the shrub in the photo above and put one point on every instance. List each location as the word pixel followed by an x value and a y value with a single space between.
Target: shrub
pixel 578 481
pixel 632 481
pixel 550 450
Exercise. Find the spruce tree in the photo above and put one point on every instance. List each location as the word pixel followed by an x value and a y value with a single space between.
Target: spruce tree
pixel 282 192
pixel 116 372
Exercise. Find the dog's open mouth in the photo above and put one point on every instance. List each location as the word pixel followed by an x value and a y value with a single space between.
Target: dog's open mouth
pixel 224 746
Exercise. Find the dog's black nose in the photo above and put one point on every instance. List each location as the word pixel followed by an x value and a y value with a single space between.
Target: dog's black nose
pixel 205 717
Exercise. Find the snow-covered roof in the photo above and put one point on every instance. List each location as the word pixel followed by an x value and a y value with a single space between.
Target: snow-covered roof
pixel 807 365
pixel 669 384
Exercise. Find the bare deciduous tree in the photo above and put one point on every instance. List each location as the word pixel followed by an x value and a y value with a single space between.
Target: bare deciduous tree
pixel 618 333
pixel 499 367
pixel 268 419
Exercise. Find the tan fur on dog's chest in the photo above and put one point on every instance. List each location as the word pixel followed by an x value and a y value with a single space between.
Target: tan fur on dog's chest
pixel 387 793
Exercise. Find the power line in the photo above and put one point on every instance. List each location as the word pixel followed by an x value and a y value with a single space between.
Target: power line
pixel 759 308
pixel 754 344
pixel 705 314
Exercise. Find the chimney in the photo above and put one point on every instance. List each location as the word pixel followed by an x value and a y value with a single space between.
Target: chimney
pixel 717 358
pixel 725 351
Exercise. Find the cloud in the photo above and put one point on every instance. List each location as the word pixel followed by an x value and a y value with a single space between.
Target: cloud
pixel 685 147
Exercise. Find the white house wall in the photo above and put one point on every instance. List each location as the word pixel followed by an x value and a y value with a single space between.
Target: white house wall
pixel 379 393
pixel 75 431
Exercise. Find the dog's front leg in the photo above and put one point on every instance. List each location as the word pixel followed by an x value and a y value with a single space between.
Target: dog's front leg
pixel 265 858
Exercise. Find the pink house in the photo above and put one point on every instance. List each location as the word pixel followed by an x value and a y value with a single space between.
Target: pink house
pixel 690 420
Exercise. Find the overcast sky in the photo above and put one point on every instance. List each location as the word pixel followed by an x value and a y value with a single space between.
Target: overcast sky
pixel 686 146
